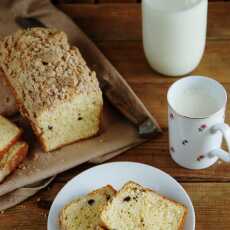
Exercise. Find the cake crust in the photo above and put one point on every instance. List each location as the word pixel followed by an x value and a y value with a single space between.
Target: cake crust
pixel 12 158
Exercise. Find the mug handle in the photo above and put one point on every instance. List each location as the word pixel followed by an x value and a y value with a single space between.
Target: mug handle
pixel 220 153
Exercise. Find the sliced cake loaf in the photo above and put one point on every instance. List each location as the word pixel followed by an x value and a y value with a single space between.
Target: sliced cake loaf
pixel 54 88
pixel 9 134
pixel 84 212
pixel 135 208
pixel 12 158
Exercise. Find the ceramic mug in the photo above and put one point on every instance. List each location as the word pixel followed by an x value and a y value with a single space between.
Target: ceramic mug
pixel 196 114
pixel 174 34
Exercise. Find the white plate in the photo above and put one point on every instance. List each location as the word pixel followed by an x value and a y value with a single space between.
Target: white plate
pixel 117 174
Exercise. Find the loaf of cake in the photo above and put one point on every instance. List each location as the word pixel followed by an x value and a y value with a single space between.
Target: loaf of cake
pixel 9 134
pixel 84 212
pixel 135 208
pixel 54 88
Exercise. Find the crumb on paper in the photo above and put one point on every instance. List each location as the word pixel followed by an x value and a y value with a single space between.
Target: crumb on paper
pixel 38 199
pixel 35 156
pixel 22 166
pixel 101 140
pixel 44 214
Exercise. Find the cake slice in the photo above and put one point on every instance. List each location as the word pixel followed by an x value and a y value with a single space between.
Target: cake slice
pixel 84 212
pixel 135 208
pixel 12 158
pixel 9 134
pixel 53 86
pixel 7 102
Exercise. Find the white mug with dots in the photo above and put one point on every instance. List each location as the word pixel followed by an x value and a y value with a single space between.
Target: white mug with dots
pixel 196 114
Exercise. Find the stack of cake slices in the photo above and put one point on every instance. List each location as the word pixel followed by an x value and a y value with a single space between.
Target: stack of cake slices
pixel 13 149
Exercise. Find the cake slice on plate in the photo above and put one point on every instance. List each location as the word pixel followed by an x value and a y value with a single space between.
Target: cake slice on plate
pixel 84 212
pixel 135 208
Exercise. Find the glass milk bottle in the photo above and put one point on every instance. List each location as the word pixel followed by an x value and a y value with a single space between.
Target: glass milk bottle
pixel 174 34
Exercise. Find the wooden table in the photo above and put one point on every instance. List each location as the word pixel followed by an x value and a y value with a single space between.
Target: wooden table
pixel 116 28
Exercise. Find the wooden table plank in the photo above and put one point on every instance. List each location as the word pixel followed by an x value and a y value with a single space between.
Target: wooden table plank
pixel 110 21
pixel 210 201
pixel 72 1
pixel 128 57
pixel 118 1
pixel 113 1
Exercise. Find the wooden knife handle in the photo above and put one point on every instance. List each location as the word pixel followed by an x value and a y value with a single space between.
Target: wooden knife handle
pixel 116 89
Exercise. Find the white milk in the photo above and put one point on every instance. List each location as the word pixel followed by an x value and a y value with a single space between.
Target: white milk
pixel 196 143
pixel 195 103
pixel 170 5
pixel 174 34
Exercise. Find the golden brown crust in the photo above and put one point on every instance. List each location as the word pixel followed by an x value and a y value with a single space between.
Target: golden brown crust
pixel 46 71
pixel 12 142
pixel 10 166
pixel 18 158
pixel 181 227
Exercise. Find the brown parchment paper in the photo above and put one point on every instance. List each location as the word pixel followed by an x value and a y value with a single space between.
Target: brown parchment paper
pixel 117 135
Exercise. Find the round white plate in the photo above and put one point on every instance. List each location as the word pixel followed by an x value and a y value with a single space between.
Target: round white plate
pixel 118 174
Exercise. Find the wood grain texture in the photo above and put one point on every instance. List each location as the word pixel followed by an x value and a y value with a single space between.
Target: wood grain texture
pixel 210 201
pixel 128 57
pixel 118 1
pixel 117 30
pixel 110 21
pixel 72 1
pixel 111 1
